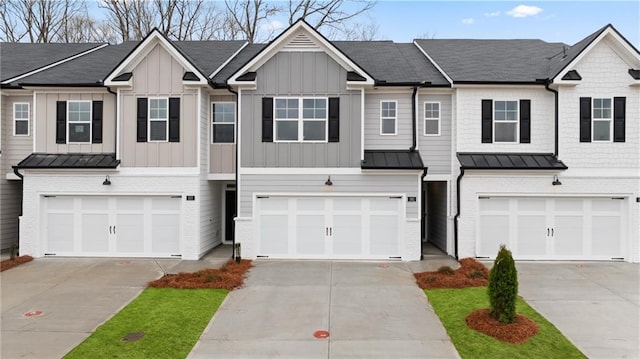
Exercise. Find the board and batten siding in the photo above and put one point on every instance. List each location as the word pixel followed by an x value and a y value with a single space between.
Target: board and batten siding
pixel 373 140
pixel 46 123
pixel 353 184
pixel 158 74
pixel 298 74
pixel 222 155
pixel 436 150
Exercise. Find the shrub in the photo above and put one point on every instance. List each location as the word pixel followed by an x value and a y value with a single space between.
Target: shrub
pixel 446 270
pixel 503 287
pixel 476 273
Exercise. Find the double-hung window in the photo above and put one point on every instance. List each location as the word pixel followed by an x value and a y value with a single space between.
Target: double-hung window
pixel 20 119
pixel 223 122
pixel 158 119
pixel 300 119
pixel 79 121
pixel 388 117
pixel 602 119
pixel 432 118
pixel 505 121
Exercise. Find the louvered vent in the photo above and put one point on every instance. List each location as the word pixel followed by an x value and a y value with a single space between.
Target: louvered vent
pixel 301 42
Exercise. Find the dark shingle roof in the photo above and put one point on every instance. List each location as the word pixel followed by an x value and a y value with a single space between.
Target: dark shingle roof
pixel 237 62
pixel 561 60
pixel 21 58
pixel 510 161
pixel 208 56
pixel 69 160
pixel 392 160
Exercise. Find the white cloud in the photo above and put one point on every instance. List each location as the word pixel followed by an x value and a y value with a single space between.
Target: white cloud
pixel 492 14
pixel 524 11
pixel 274 25
pixel 468 21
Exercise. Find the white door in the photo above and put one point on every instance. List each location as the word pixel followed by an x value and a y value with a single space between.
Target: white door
pixel 337 227
pixel 553 228
pixel 112 226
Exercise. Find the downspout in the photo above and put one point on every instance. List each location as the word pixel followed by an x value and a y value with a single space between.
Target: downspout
pixel 557 116
pixel 424 174
pixel 17 173
pixel 413 118
pixel 115 145
pixel 457 216
pixel 233 242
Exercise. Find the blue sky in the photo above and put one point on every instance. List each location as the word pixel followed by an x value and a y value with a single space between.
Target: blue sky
pixel 552 21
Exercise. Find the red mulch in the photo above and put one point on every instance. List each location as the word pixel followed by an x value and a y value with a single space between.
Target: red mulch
pixel 10 263
pixel 470 274
pixel 229 277
pixel 517 332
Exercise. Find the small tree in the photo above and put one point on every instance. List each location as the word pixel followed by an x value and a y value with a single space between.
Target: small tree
pixel 503 287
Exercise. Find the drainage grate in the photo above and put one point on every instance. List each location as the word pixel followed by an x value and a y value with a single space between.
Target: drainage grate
pixel 132 337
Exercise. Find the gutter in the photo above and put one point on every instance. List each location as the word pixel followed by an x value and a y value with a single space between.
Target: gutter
pixel 17 173
pixel 556 95
pixel 414 117
pixel 457 216
pixel 233 242
pixel 422 176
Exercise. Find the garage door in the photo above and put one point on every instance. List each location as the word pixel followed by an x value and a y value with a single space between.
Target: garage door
pixel 112 226
pixel 329 228
pixel 553 228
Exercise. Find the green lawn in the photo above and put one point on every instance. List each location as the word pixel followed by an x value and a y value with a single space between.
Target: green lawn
pixel 172 320
pixel 453 305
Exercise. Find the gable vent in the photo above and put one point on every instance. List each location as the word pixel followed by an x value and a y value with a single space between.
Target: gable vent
pixel 301 42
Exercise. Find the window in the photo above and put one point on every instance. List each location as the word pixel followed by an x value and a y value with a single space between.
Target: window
pixel 432 118
pixel 388 117
pixel 20 119
pixel 79 121
pixel 300 119
pixel 158 119
pixel 223 122
pixel 505 121
pixel 602 119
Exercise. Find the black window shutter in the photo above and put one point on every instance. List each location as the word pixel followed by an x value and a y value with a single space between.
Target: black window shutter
pixel 487 119
pixel 334 119
pixel 96 122
pixel 267 119
pixel 585 119
pixel 61 121
pixel 174 119
pixel 142 119
pixel 619 110
pixel 525 121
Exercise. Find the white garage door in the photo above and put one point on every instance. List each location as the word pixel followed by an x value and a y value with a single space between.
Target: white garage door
pixel 329 228
pixel 112 226
pixel 553 228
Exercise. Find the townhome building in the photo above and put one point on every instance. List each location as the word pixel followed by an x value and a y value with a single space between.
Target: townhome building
pixel 309 148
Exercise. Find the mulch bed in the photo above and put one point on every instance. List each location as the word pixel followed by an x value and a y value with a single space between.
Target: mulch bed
pixel 517 332
pixel 10 263
pixel 470 274
pixel 229 277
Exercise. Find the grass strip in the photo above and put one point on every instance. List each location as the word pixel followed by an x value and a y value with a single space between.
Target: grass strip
pixel 453 305
pixel 172 320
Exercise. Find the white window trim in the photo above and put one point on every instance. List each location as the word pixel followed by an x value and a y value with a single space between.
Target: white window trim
pixel 439 118
pixel 235 119
pixel 301 119
pixel 395 119
pixel 149 120
pixel 593 120
pixel 90 121
pixel 517 122
pixel 28 119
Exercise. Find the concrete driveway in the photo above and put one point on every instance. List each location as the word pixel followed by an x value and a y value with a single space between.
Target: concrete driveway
pixel 371 310
pixel 594 304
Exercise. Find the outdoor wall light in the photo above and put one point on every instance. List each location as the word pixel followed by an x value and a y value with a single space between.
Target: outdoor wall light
pixel 107 181
pixel 328 183
pixel 556 181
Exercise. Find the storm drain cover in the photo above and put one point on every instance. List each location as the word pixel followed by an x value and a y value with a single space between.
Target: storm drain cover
pixel 33 313
pixel 320 334
pixel 132 337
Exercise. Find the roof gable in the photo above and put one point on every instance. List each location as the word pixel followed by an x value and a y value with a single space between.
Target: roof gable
pixel 299 37
pixel 144 48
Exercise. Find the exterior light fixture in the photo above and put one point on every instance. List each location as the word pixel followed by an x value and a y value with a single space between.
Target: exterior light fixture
pixel 556 181
pixel 107 181
pixel 328 183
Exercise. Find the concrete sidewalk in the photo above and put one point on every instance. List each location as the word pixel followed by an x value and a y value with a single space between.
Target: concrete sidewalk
pixel 596 305
pixel 371 310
